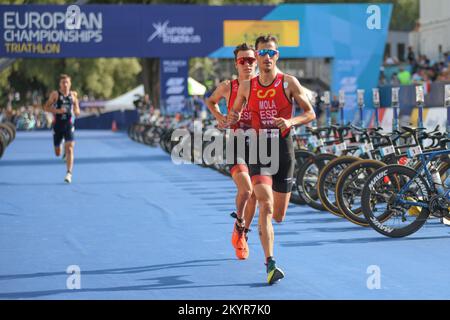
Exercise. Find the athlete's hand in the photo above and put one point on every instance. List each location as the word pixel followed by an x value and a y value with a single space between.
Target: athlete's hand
pixel 233 117
pixel 222 122
pixel 282 124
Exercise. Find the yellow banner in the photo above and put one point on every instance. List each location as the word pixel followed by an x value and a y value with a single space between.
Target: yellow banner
pixel 415 116
pixel 236 32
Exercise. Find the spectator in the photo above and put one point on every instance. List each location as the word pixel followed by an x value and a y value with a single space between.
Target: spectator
pixel 147 103
pixel 10 114
pixel 394 79
pixel 404 76
pixel 383 80
pixel 424 62
pixel 444 76
pixel 421 70
pixel 198 106
pixel 389 61
pixel 411 56
pixel 417 77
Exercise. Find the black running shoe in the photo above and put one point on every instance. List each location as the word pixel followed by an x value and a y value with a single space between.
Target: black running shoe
pixel 274 274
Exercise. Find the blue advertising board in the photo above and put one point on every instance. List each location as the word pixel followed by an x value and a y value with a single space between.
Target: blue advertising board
pixel 174 76
pixel 352 35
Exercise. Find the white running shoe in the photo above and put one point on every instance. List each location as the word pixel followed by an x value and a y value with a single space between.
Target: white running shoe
pixel 446 221
pixel 68 177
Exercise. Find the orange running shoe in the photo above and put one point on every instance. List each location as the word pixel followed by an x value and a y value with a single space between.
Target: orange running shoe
pixel 236 230
pixel 239 242
pixel 235 236
pixel 242 250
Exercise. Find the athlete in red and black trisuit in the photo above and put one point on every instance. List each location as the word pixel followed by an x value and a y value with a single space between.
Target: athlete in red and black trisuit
pixel 64 106
pixel 245 62
pixel 270 98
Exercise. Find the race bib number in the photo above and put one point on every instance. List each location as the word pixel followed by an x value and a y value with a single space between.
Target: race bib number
pixel 315 142
pixel 326 149
pixel 339 148
pixel 385 151
pixel 366 148
pixel 414 151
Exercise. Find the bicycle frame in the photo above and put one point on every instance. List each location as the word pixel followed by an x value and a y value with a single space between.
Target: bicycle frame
pixel 425 158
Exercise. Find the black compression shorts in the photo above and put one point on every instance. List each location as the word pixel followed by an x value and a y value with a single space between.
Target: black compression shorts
pixel 282 180
pixel 61 132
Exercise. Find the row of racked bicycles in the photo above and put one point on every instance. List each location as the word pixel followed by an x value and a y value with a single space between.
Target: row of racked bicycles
pixel 390 181
pixel 7 135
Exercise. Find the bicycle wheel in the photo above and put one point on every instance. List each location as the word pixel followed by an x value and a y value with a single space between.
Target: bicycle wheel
pixel 326 184
pixel 300 156
pixel 381 201
pixel 7 132
pixel 2 145
pixel 306 180
pixel 13 128
pixel 349 189
pixel 444 170
pixel 147 136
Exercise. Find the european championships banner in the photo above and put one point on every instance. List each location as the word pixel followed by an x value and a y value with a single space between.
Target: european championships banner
pixel 352 35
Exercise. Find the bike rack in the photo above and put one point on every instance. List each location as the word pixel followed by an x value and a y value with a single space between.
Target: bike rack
pixel 327 102
pixel 447 105
pixel 376 104
pixel 361 105
pixel 314 96
pixel 341 106
pixel 420 100
pixel 395 108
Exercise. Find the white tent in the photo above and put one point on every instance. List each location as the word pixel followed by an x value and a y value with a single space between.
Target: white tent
pixel 195 88
pixel 125 101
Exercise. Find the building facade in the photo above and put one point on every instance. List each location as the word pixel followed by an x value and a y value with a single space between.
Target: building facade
pixel 433 38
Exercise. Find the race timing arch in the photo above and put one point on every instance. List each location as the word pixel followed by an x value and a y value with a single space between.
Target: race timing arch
pixel 352 35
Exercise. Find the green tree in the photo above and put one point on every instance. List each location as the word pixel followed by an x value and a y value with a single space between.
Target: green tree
pixel 103 78
pixel 4 83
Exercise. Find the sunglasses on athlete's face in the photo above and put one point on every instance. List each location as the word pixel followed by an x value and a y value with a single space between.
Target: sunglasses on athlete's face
pixel 270 52
pixel 244 60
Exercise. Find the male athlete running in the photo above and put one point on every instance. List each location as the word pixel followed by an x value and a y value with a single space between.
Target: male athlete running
pixel 245 62
pixel 270 99
pixel 64 106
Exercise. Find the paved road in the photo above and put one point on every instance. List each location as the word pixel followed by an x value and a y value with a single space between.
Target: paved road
pixel 140 227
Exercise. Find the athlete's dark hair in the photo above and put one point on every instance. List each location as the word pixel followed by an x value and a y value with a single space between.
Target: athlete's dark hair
pixel 266 39
pixel 242 47
pixel 64 76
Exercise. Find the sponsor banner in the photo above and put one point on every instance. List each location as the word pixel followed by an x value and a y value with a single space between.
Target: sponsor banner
pixel 62 31
pixel 431 118
pixel 174 74
pixel 386 119
pixel 239 31
pixel 48 31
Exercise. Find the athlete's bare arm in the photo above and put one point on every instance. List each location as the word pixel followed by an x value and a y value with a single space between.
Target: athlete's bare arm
pixel 241 99
pixel 298 93
pixel 222 91
pixel 48 106
pixel 76 105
